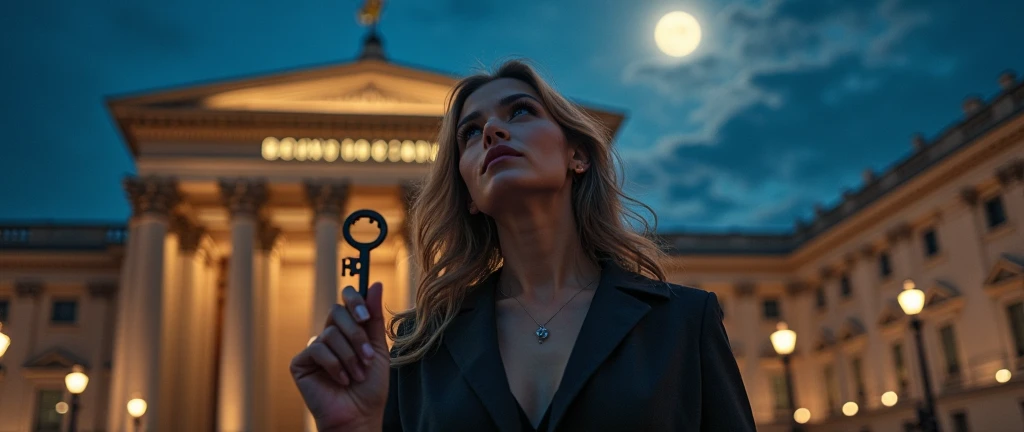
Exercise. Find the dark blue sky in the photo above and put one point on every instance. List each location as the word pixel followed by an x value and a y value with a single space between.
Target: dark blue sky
pixel 782 106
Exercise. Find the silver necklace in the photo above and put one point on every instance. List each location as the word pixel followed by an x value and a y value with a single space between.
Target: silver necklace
pixel 542 330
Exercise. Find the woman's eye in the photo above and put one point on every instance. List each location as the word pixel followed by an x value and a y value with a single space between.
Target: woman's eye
pixel 468 132
pixel 520 111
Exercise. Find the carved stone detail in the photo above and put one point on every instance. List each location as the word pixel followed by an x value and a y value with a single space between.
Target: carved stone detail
pixel 1011 172
pixel 243 196
pixel 826 273
pixel 190 235
pixel 327 198
pixel 969 195
pixel 266 236
pixel 868 251
pixel 152 195
pixel 796 287
pixel 899 233
pixel 105 290
pixel 745 288
pixel 28 288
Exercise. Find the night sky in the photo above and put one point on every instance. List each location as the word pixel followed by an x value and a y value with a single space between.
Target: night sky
pixel 782 106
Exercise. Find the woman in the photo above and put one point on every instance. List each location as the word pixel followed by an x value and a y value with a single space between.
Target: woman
pixel 532 313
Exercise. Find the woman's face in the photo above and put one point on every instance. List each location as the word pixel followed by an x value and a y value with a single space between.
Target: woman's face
pixel 510 146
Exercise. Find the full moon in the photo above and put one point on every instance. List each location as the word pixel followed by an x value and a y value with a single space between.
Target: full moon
pixel 677 34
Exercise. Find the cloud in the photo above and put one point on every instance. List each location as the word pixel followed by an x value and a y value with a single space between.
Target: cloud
pixel 747 40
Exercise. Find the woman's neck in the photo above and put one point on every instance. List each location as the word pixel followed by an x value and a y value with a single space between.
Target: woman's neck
pixel 542 253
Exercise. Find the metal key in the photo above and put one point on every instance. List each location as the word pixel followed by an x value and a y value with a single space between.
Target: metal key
pixel 361 266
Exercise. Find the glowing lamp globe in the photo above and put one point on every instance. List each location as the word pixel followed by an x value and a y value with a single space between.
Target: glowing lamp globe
pixel 911 299
pixel 783 339
pixel 1003 376
pixel 850 409
pixel 5 341
pixel 802 415
pixel 76 380
pixel 137 407
pixel 889 398
pixel 62 407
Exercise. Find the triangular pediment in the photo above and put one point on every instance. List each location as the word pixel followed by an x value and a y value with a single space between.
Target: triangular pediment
pixel 55 358
pixel 1007 268
pixel 851 328
pixel 939 292
pixel 370 87
pixel 891 313
pixel 826 339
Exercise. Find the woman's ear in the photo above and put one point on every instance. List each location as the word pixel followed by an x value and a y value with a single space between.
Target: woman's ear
pixel 472 208
pixel 578 161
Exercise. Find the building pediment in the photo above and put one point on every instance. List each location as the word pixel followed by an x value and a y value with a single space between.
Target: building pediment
pixel 1007 274
pixel 851 328
pixel 362 87
pixel 54 359
pixel 940 292
pixel 891 313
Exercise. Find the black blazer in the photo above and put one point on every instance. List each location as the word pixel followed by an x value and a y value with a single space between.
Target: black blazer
pixel 650 356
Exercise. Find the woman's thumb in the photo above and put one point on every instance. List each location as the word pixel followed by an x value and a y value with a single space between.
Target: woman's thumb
pixel 375 326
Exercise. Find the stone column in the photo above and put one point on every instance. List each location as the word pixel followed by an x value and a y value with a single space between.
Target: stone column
pixel 190 328
pixel 409 192
pixel 152 198
pixel 235 409
pixel 747 306
pixel 983 356
pixel 267 271
pixel 876 362
pixel 1011 179
pixel 21 328
pixel 116 412
pixel 327 201
pixel 101 295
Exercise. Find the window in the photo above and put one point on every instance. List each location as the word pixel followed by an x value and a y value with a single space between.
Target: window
pixel 949 351
pixel 884 265
pixel 858 380
pixel 831 388
pixel 844 286
pixel 820 298
pixel 995 213
pixel 5 309
pixel 931 243
pixel 960 422
pixel 1016 316
pixel 771 309
pixel 47 419
pixel 64 312
pixel 901 368
pixel 779 392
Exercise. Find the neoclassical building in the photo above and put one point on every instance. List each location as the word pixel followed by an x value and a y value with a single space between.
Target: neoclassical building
pixel 230 261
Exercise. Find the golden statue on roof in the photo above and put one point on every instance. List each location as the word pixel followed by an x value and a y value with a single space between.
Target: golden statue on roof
pixel 369 14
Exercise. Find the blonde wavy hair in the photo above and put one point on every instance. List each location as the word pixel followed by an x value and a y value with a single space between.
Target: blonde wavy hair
pixel 457 250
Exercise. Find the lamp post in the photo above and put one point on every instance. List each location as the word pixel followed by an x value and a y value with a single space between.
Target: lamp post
pixel 784 341
pixel 137 408
pixel 76 382
pixel 911 300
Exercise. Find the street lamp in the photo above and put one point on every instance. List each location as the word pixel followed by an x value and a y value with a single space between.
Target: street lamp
pixel 784 341
pixel 76 382
pixel 5 341
pixel 911 300
pixel 137 408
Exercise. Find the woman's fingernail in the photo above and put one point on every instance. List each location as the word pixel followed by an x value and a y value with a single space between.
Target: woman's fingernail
pixel 362 313
pixel 368 350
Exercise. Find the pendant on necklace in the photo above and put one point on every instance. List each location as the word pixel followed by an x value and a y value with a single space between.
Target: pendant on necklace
pixel 542 334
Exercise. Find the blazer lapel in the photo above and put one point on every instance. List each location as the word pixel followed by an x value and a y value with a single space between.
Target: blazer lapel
pixel 472 340
pixel 613 313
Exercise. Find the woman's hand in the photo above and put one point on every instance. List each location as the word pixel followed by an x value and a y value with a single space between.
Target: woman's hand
pixel 343 374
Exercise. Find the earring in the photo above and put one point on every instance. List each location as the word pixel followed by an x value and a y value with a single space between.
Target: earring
pixel 579 168
pixel 473 209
